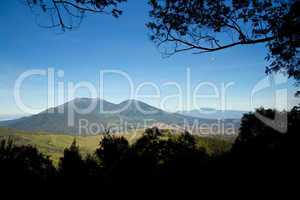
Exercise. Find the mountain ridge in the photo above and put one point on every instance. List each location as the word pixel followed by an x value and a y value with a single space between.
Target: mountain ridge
pixel 121 117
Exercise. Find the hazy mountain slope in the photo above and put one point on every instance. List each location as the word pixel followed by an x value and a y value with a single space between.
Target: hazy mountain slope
pixel 209 113
pixel 123 117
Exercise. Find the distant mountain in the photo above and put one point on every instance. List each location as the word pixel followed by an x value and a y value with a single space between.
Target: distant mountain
pixel 210 113
pixel 90 116
pixel 9 117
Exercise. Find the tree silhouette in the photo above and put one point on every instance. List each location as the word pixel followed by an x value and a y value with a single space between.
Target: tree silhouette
pixel 257 137
pixel 149 146
pixel 264 153
pixel 161 161
pixel 212 25
pixel 24 166
pixel 68 14
pixel 71 166
pixel 112 149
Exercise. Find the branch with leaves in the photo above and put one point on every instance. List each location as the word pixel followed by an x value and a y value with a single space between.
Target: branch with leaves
pixel 68 14
pixel 203 26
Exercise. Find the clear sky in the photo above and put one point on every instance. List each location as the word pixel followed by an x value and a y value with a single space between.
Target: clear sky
pixel 103 43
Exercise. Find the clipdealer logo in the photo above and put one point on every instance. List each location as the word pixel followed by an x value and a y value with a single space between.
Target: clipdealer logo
pixel 280 98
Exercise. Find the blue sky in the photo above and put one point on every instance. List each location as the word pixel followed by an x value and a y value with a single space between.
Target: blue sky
pixel 103 43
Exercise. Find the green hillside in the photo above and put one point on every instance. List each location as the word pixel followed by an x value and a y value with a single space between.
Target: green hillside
pixel 54 144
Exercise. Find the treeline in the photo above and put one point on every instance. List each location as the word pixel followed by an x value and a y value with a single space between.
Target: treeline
pixel 259 154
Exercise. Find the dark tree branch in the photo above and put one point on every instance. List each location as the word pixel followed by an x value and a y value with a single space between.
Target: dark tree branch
pixel 207 49
pixel 79 7
pixel 62 12
pixel 59 15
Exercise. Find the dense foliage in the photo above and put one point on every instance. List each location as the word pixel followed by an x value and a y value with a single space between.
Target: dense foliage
pixel 259 153
pixel 213 25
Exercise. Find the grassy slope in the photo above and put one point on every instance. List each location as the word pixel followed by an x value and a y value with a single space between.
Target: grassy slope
pixel 54 144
